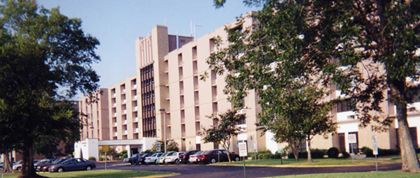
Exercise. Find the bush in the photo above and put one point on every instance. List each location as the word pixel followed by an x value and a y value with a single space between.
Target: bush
pixel 333 152
pixel 388 152
pixel 345 154
pixel 367 151
pixel 317 153
pixel 92 158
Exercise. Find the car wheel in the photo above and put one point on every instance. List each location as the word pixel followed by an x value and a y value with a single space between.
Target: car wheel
pixel 177 161
pixel 60 169
pixel 88 168
pixel 18 169
pixel 213 160
pixel 237 159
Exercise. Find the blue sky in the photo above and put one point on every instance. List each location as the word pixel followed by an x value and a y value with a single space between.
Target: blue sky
pixel 117 23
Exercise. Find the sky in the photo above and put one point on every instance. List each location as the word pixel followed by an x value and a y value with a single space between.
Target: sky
pixel 118 23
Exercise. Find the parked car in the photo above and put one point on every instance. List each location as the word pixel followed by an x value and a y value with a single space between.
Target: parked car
pixel 186 156
pixel 174 157
pixel 152 159
pixel 139 158
pixel 38 166
pixel 217 155
pixel 45 166
pixel 1 166
pixel 161 159
pixel 17 166
pixel 73 164
pixel 194 157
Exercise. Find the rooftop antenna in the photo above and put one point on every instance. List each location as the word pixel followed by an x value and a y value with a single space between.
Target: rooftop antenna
pixel 193 29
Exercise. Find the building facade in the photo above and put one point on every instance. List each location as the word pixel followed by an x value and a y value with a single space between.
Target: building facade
pixel 167 100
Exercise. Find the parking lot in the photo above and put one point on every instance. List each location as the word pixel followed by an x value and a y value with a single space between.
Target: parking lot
pixel 211 171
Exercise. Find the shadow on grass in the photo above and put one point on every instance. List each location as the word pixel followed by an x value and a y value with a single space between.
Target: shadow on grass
pixel 107 174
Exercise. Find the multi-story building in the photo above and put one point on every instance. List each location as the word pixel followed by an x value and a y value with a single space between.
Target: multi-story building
pixel 93 113
pixel 166 100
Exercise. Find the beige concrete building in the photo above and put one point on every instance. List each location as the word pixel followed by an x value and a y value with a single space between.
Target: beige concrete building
pixel 94 116
pixel 167 100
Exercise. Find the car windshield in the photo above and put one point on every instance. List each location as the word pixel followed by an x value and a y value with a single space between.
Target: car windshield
pixel 197 153
pixel 155 155
pixel 171 154
pixel 58 161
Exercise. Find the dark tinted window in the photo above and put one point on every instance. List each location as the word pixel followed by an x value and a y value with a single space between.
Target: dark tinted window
pixel 345 105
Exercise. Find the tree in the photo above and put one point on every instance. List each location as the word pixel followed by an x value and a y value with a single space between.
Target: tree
pixel 224 128
pixel 171 144
pixel 45 59
pixel 296 115
pixel 362 47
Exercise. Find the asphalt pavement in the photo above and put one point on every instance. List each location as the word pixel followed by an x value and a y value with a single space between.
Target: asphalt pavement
pixel 211 171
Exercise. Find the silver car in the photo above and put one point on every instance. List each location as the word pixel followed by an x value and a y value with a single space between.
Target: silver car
pixel 152 159
pixel 174 157
pixel 161 159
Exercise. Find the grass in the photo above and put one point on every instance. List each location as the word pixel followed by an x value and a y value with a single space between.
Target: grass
pixel 325 162
pixel 381 174
pixel 100 174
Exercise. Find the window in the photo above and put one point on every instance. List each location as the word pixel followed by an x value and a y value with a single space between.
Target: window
pixel 345 105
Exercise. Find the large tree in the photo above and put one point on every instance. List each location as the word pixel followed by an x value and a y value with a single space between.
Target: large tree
pixel 45 59
pixel 361 47
pixel 225 126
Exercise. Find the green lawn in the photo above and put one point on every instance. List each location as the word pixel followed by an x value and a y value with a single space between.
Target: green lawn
pixel 382 174
pixel 326 162
pixel 100 174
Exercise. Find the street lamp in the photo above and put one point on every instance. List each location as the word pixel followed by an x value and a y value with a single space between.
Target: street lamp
pixel 163 115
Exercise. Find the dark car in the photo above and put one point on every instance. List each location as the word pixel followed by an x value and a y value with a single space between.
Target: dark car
pixel 217 155
pixel 185 157
pixel 73 164
pixel 46 166
pixel 42 163
pixel 139 158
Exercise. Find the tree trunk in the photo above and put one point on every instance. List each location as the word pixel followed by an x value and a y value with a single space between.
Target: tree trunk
pixel 7 166
pixel 308 149
pixel 295 148
pixel 227 146
pixel 28 170
pixel 409 158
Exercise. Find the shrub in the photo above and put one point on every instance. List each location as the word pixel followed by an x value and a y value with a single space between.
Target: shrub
pixel 317 153
pixel 367 151
pixel 92 158
pixel 333 152
pixel 345 154
pixel 388 152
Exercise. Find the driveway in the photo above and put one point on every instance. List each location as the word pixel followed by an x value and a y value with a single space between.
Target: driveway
pixel 206 171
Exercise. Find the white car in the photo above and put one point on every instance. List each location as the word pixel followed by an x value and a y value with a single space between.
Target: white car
pixel 174 157
pixel 17 166
pixel 152 159
pixel 161 159
pixel 194 157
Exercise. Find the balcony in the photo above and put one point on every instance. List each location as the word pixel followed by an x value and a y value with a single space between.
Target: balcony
pixel 136 119
pixel 114 105
pixel 134 87
pixel 123 91
pixel 137 130
pixel 124 101
pixel 114 95
pixel 125 122
pixel 135 108
pixel 125 132
pixel 115 114
pixel 115 124
pixel 115 134
pixel 125 111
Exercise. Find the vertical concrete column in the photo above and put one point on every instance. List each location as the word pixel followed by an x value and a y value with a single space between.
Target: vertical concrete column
pixel 128 150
